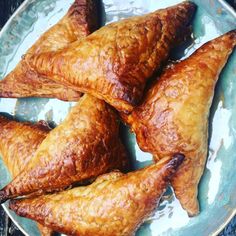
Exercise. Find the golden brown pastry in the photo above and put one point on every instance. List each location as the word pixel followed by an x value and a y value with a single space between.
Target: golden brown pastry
pixel 174 115
pixel 18 143
pixel 80 20
pixel 83 146
pixel 115 204
pixel 115 62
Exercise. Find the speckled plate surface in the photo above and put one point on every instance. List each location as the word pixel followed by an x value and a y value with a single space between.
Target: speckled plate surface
pixel 218 185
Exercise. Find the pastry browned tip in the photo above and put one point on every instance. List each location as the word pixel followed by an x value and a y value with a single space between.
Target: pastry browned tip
pixel 191 6
pixel 13 205
pixel 3 119
pixel 177 160
pixel 3 93
pixel 16 206
pixel 86 13
pixel 232 36
pixel 185 14
pixel 227 40
pixel 3 196
pixel 188 8
pixel 194 213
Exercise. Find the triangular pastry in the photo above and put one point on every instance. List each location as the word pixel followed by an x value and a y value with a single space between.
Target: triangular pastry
pixel 174 114
pixel 18 143
pixel 80 21
pixel 83 146
pixel 115 62
pixel 115 204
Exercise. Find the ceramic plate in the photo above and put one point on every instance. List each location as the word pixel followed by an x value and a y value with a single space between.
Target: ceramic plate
pixel 218 185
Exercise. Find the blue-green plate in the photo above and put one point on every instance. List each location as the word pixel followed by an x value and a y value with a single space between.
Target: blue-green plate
pixel 217 191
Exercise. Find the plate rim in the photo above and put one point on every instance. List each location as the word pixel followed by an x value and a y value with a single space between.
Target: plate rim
pixel 7 210
pixel 229 10
pixel 228 7
pixel 22 5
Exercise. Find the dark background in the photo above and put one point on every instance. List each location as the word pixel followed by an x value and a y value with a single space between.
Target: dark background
pixel 7 228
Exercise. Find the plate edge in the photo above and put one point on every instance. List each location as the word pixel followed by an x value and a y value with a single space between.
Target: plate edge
pixel 224 224
pixel 4 28
pixel 7 210
pixel 228 7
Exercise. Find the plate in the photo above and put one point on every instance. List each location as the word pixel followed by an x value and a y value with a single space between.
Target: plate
pixel 218 185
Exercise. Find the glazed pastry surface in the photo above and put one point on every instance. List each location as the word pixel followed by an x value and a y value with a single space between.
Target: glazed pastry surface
pixel 115 62
pixel 83 146
pixel 80 21
pixel 18 143
pixel 115 204
pixel 174 114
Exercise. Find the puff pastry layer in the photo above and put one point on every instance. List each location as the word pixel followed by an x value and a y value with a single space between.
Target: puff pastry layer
pixel 174 114
pixel 83 146
pixel 81 20
pixel 18 143
pixel 115 62
pixel 115 204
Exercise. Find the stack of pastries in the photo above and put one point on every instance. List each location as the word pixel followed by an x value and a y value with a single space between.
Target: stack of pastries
pixel 76 178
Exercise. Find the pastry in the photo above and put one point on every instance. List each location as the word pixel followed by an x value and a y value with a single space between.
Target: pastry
pixel 80 20
pixel 115 62
pixel 82 147
pixel 174 115
pixel 18 143
pixel 115 204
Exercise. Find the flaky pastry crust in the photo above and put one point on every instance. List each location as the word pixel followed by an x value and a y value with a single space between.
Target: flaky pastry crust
pixel 114 205
pixel 83 146
pixel 18 143
pixel 80 21
pixel 174 114
pixel 115 62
